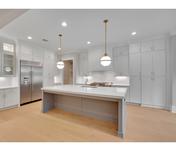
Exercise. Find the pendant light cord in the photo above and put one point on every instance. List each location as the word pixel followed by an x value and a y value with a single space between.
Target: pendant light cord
pixel 60 43
pixel 105 21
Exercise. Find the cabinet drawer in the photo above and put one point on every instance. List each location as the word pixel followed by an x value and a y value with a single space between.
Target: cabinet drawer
pixel 11 97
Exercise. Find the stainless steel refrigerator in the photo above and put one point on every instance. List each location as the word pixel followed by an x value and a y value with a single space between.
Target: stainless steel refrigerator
pixel 30 81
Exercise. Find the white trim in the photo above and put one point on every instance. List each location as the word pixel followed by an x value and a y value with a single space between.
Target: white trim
pixel 173 33
pixel 154 106
pixel 173 109
pixel 74 67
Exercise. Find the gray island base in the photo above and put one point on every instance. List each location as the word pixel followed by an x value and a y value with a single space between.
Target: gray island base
pixel 106 103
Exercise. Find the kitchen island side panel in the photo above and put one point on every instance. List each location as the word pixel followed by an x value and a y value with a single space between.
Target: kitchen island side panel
pixel 100 109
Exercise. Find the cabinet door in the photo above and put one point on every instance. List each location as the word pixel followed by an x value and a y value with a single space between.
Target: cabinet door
pixel 2 99
pixel 135 89
pixel 134 64
pixel 94 60
pixel 11 97
pixel 83 64
pixel 8 59
pixel 134 48
pixel 49 68
pixel 121 50
pixel 159 44
pixel 159 92
pixel 154 91
pixel 146 63
pixel 147 46
pixel 159 63
pixel 121 60
pixel 147 91
pixel 121 65
pixel 25 52
pixel 37 55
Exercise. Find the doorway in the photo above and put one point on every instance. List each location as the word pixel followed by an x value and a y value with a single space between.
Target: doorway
pixel 68 71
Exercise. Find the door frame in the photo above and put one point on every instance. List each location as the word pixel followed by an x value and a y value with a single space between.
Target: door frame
pixel 74 73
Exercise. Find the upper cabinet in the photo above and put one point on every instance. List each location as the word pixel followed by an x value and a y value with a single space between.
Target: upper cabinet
pixel 146 45
pixel 7 57
pixel 134 48
pixel 32 52
pixel 83 64
pixel 121 60
pixel 94 57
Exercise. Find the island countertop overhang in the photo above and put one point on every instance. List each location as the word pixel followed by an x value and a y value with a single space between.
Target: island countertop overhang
pixel 115 93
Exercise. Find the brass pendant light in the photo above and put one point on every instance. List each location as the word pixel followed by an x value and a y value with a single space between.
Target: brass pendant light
pixel 105 60
pixel 60 63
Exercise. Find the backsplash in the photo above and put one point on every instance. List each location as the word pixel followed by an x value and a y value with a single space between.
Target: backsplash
pixel 8 81
pixel 107 76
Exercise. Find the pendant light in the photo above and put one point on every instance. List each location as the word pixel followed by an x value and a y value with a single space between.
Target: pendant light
pixel 60 63
pixel 105 60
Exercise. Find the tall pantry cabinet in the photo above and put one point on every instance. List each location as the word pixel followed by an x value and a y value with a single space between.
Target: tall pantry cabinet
pixel 153 72
pixel 147 69
pixel 135 72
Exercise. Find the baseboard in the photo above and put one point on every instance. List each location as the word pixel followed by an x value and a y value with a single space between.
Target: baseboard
pixel 9 107
pixel 132 103
pixel 173 109
pixel 154 106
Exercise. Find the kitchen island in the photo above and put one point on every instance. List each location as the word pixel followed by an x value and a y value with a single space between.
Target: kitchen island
pixel 107 103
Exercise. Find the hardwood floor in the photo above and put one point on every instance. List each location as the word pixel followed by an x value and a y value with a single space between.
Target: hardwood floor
pixel 27 123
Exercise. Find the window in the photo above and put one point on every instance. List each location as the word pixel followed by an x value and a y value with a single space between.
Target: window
pixel 8 47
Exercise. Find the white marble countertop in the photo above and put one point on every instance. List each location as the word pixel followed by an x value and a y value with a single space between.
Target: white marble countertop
pixel 8 87
pixel 107 92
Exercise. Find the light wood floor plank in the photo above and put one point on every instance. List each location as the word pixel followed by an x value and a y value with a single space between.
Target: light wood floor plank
pixel 27 123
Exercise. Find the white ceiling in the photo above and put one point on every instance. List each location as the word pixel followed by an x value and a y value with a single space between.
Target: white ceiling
pixel 87 25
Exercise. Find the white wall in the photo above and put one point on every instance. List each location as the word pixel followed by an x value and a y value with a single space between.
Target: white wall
pixel 173 71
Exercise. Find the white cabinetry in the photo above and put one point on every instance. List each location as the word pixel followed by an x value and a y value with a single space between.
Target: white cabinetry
pixel 135 90
pixel 7 57
pixel 135 73
pixel 31 52
pixel 9 97
pixel 37 55
pixel 94 57
pixel 83 64
pixel 49 68
pixel 121 61
pixel 2 100
pixel 147 69
pixel 25 51
pixel 146 63
pixel 153 73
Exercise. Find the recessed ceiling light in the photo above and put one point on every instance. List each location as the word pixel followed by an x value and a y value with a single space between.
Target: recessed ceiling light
pixel 29 37
pixel 88 42
pixel 133 33
pixel 59 48
pixel 64 24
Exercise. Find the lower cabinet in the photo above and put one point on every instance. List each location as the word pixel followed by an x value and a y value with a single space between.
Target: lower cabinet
pixel 135 89
pixel 2 99
pixel 9 97
pixel 153 91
